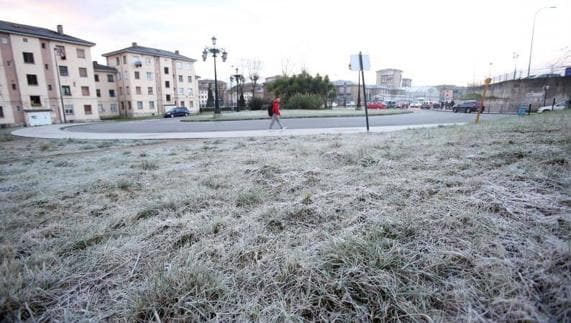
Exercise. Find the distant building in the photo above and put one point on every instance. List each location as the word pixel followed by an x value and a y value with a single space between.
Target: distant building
pixel 389 77
pixel 106 90
pixel 203 91
pixel 406 82
pixel 151 81
pixel 30 81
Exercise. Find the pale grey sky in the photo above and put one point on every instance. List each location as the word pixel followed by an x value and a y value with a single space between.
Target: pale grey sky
pixel 433 42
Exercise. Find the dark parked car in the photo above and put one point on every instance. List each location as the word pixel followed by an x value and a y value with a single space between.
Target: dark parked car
pixel 467 107
pixel 177 112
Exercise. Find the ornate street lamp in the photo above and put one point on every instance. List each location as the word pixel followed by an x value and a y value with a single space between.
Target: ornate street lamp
pixel 239 78
pixel 215 51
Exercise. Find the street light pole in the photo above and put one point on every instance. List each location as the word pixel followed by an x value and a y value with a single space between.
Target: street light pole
pixel 238 77
pixel 56 54
pixel 532 34
pixel 515 56
pixel 214 51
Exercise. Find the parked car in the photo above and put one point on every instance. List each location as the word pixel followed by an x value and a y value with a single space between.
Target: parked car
pixel 177 112
pixel 467 107
pixel 415 104
pixel 391 104
pixel 426 105
pixel 376 105
pixel 559 106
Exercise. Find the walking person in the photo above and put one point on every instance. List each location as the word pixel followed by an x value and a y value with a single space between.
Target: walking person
pixel 276 113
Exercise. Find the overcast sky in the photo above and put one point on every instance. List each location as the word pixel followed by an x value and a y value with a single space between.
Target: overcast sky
pixel 433 42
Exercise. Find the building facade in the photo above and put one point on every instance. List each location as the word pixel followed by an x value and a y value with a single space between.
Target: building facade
pixel 203 86
pixel 151 81
pixel 389 77
pixel 46 76
pixel 105 78
pixel 406 82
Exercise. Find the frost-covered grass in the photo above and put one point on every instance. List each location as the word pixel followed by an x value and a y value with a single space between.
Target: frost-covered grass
pixel 455 224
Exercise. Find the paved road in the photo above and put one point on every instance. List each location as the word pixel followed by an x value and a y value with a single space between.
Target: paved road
pixel 175 125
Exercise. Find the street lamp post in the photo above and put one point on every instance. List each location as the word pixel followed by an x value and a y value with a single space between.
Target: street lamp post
pixel 57 53
pixel 545 89
pixel 230 92
pixel 532 33
pixel 515 56
pixel 215 51
pixel 238 77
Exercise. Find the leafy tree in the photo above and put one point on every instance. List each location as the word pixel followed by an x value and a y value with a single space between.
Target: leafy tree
pixel 210 99
pixel 304 83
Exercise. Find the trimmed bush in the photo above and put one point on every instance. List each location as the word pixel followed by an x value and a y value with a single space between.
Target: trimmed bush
pixel 258 103
pixel 303 101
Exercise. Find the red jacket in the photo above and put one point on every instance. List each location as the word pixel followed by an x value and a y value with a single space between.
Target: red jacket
pixel 276 107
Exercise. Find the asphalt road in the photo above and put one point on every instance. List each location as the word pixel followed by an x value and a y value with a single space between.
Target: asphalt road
pixel 175 125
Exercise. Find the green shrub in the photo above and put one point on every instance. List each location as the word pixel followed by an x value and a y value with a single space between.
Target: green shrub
pixel 258 103
pixel 303 101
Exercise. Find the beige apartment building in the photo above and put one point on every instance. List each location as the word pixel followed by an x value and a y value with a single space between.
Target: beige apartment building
pixel 106 90
pixel 35 64
pixel 151 81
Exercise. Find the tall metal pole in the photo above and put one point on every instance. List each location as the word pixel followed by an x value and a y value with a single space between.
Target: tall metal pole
pixel 515 56
pixel 216 105
pixel 532 34
pixel 364 93
pixel 56 53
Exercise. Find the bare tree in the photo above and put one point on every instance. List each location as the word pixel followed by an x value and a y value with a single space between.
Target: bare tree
pixel 287 67
pixel 253 68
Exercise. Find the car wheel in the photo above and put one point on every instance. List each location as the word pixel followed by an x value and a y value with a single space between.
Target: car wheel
pixel 466 110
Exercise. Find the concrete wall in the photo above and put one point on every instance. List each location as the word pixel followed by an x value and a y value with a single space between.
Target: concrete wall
pixel 509 95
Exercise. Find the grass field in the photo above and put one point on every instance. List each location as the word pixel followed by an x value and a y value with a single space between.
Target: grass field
pixel 286 114
pixel 466 223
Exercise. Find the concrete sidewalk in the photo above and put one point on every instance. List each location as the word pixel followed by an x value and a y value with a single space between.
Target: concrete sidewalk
pixel 59 132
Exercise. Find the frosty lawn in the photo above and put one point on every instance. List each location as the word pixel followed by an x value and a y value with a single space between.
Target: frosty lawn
pixel 467 223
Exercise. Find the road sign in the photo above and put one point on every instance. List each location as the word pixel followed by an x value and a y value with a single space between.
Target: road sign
pixel 355 63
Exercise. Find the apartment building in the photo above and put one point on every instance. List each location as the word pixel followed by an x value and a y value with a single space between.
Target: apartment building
pixel 390 77
pixel 46 76
pixel 105 78
pixel 150 81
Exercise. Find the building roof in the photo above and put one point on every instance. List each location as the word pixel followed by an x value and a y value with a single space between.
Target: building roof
pixel 13 28
pixel 100 67
pixel 136 49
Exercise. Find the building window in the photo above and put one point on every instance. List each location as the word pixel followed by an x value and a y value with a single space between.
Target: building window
pixel 168 98
pixel 124 59
pixel 182 103
pixel 46 66
pixel 189 79
pixel 32 79
pixel 66 90
pixel 112 93
pixel 122 105
pixel 129 104
pixel 190 92
pixel 140 105
pixel 180 78
pixel 137 76
pixel 87 109
pixel 150 90
pixel 126 76
pixel 63 71
pixel 117 62
pixel 82 72
pixel 68 109
pixel 149 76
pixel 13 86
pixel 44 45
pixel 85 90
pixel 98 93
pixel 100 107
pixel 96 77
pixel 60 51
pixel 120 91
pixel 191 104
pixel 28 58
pixel 138 90
pixel 80 53
pixel 1 112
pixel 148 60
pixel 25 40
pixel 180 91
pixel 109 77
pixel 119 76
pixel 127 91
pixel 152 105
pixel 113 107
pixel 35 101
pixel 167 84
pixel 166 70
pixel 49 87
